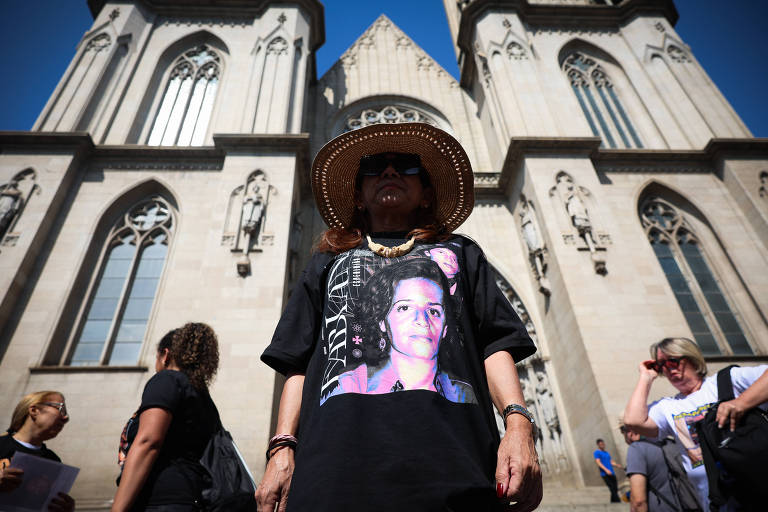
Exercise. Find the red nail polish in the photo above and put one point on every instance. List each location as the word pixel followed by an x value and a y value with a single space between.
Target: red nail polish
pixel 499 490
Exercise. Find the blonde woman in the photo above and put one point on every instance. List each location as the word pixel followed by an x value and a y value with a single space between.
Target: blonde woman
pixel 680 360
pixel 37 418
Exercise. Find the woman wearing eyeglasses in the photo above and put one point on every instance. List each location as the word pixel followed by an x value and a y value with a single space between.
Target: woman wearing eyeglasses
pixel 680 360
pixel 37 418
pixel 396 342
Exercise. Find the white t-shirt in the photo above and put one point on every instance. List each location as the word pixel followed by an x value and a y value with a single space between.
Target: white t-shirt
pixel 676 415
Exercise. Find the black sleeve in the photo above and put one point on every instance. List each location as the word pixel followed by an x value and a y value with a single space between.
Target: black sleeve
pixel 497 325
pixel 296 332
pixel 164 390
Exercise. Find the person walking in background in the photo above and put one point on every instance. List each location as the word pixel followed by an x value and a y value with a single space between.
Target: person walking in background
pixel 650 486
pixel 605 464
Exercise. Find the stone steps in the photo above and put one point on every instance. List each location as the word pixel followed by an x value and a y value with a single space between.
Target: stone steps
pixel 562 499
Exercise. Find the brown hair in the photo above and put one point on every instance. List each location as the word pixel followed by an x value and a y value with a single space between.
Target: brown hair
pixel 21 412
pixel 338 240
pixel 195 350
pixel 682 347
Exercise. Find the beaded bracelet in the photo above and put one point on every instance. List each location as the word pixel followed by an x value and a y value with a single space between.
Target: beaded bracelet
pixel 281 441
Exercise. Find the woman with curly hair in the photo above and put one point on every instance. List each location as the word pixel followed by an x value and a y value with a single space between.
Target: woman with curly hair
pixel 162 443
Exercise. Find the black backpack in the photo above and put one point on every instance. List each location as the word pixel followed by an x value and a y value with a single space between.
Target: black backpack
pixel 682 488
pixel 229 484
pixel 735 461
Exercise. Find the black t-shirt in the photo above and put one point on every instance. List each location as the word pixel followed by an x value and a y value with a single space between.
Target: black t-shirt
pixel 9 446
pixel 177 476
pixel 396 413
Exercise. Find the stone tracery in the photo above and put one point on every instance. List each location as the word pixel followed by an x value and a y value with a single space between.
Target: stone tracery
pixel 387 114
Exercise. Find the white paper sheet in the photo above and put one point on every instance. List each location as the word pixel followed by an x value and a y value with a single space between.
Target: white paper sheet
pixel 43 480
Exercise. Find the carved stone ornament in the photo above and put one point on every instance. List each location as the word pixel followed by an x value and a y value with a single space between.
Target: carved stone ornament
pixel 246 216
pixel 14 197
pixel 388 114
pixel 537 249
pixel 516 51
pixel 763 191
pixel 99 43
pixel 114 14
pixel 660 27
pixel 277 46
pixel 677 54
pixel 574 201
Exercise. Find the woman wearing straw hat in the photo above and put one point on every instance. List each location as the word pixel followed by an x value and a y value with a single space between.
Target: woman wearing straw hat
pixel 391 370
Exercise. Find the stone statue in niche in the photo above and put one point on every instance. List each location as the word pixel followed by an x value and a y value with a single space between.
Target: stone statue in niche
pixel 253 211
pixel 246 218
pixel 551 421
pixel 536 247
pixel 14 197
pixel 529 394
pixel 578 214
pixel 10 204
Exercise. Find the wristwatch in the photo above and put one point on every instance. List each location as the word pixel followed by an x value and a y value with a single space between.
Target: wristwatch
pixel 519 409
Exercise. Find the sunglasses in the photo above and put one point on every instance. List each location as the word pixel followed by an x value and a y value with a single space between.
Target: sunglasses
pixel 405 164
pixel 670 363
pixel 61 406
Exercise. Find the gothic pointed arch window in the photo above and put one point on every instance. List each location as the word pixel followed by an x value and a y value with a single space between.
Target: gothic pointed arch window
pixel 600 102
pixel 113 319
pixel 710 314
pixel 185 108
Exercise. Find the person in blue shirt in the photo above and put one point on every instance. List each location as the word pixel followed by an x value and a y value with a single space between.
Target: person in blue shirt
pixel 606 465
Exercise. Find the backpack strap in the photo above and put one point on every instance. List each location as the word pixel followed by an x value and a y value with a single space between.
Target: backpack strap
pixel 661 497
pixel 724 384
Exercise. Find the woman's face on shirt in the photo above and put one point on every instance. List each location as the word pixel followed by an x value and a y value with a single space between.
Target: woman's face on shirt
pixel 446 260
pixel 416 319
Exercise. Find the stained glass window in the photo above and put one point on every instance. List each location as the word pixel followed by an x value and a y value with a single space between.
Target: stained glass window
pixel 115 321
pixel 706 308
pixel 185 109
pixel 597 97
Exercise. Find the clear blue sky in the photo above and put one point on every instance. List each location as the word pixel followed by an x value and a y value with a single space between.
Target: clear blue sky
pixel 729 38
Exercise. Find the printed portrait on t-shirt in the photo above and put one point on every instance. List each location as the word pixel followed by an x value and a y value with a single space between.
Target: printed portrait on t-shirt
pixel 686 433
pixel 391 325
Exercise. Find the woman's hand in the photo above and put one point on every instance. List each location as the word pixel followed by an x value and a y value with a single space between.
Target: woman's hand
pixel 10 478
pixel 62 503
pixel 729 413
pixel 518 474
pixel 647 370
pixel 273 488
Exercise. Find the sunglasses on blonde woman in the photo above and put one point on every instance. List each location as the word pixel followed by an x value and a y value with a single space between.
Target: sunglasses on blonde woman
pixel 670 363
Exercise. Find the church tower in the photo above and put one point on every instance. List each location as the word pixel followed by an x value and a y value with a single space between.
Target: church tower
pixel 620 200
pixel 633 189
pixel 158 186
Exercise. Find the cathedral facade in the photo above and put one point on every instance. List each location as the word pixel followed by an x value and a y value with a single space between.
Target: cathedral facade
pixel 620 200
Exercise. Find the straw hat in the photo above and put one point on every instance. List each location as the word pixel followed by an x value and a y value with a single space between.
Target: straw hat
pixel 336 164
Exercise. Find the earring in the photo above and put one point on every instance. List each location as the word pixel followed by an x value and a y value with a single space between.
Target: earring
pixel 360 207
pixel 424 205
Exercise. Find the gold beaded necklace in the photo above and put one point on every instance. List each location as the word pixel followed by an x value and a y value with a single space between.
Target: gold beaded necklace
pixel 390 252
